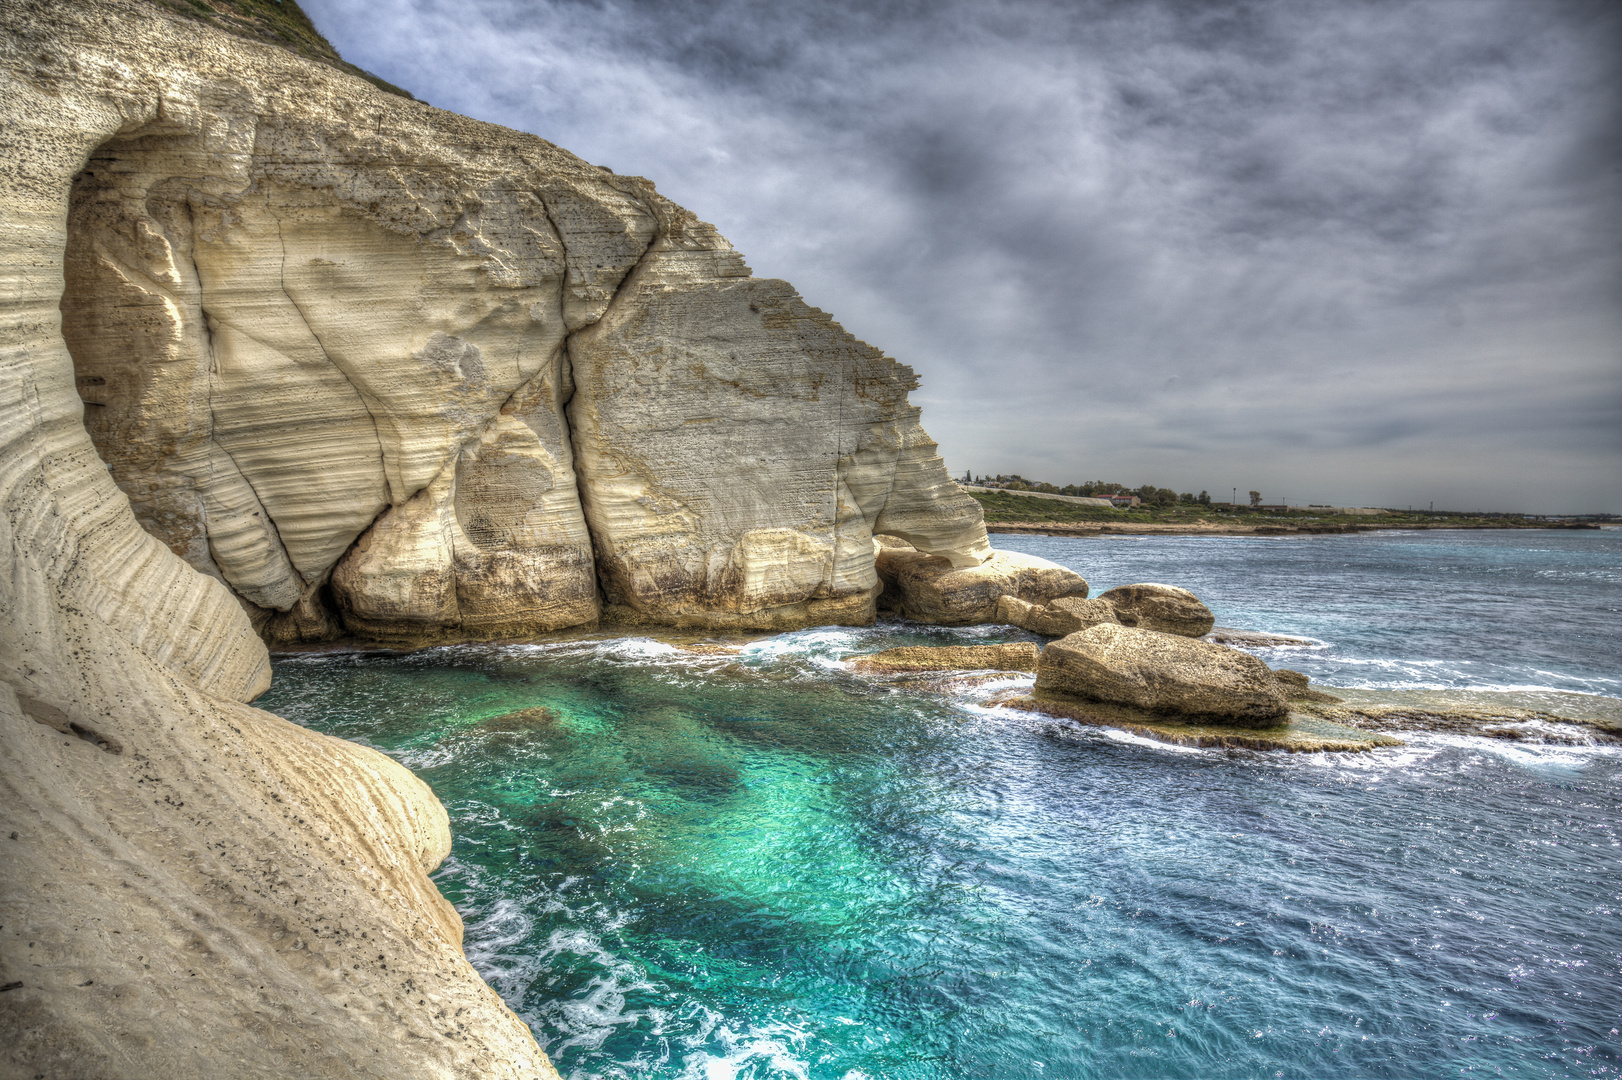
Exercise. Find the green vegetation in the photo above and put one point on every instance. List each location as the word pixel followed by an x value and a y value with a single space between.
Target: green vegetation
pixel 1011 506
pixel 279 22
pixel 1095 489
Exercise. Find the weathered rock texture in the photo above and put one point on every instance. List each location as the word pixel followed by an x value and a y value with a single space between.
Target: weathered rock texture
pixel 1163 673
pixel 1012 656
pixel 1056 618
pixel 1165 608
pixel 343 349
pixel 930 588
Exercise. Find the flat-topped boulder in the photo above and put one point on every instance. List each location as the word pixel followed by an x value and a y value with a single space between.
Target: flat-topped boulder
pixel 1166 608
pixel 1056 618
pixel 1013 656
pixel 928 588
pixel 1163 673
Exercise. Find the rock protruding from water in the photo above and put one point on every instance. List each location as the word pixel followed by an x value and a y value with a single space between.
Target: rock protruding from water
pixel 1163 673
pixel 1056 618
pixel 1165 608
pixel 928 588
pixel 1014 656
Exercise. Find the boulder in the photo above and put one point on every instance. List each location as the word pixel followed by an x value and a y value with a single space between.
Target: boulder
pixel 1165 608
pixel 1056 618
pixel 930 589
pixel 1163 673
pixel 1015 656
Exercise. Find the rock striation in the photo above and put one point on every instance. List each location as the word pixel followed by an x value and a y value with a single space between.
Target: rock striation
pixel 371 364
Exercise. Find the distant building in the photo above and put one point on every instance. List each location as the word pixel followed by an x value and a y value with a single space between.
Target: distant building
pixel 1122 502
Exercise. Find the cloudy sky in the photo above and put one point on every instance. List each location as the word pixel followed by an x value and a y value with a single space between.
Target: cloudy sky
pixel 1363 253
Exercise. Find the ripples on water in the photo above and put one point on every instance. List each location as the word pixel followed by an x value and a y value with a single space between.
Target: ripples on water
pixel 763 866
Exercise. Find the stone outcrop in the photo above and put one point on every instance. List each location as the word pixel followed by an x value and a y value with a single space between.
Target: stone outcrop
pixel 1013 656
pixel 930 588
pixel 1056 618
pixel 1165 608
pixel 1163 673
pixel 346 351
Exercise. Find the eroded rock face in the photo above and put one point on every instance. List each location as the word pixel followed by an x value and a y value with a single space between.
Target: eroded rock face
pixel 930 589
pixel 463 377
pixel 1165 608
pixel 740 449
pixel 1164 673
pixel 1056 618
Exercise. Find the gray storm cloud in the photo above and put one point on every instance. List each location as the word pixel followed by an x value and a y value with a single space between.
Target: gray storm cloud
pixel 1338 252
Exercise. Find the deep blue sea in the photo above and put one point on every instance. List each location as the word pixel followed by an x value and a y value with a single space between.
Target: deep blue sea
pixel 681 864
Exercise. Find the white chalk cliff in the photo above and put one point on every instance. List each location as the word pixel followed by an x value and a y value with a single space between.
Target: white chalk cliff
pixel 283 356
pixel 330 337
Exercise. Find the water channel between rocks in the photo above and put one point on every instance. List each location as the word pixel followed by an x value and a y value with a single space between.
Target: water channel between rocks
pixel 759 864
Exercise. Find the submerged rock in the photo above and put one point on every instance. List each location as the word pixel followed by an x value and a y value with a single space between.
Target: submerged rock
pixel 1163 673
pixel 1056 618
pixel 1016 656
pixel 1294 686
pixel 1165 608
pixel 1297 734
pixel 930 589
pixel 1518 725
pixel 1225 635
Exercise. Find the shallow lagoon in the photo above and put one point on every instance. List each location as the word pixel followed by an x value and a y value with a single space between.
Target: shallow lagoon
pixel 679 864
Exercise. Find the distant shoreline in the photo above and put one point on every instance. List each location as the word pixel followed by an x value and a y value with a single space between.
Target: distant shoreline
pixel 1039 528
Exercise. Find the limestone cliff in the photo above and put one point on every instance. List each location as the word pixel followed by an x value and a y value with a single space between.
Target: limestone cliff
pixel 361 359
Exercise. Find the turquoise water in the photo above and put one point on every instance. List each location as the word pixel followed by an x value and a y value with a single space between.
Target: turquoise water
pixel 762 865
